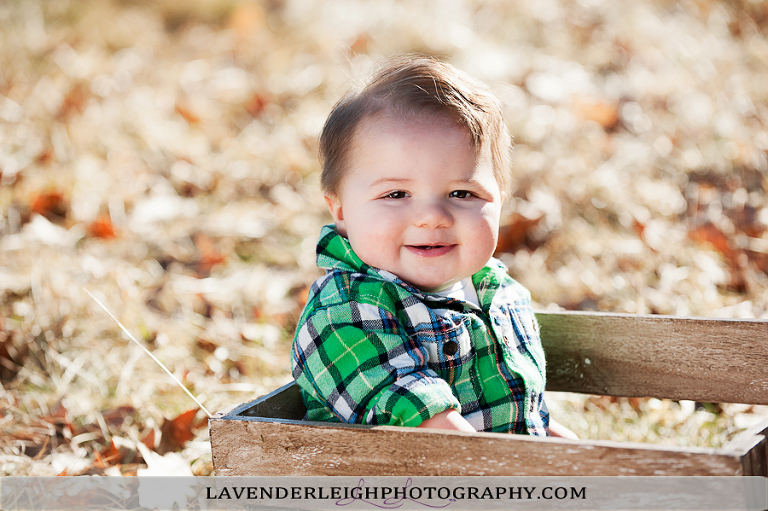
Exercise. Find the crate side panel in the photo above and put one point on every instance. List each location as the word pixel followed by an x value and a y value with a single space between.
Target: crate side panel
pixel 283 403
pixel 754 444
pixel 656 356
pixel 754 461
pixel 272 448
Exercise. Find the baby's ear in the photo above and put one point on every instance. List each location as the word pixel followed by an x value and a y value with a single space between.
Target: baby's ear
pixel 334 206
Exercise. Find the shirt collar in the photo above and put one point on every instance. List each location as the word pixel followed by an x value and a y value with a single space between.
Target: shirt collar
pixel 335 253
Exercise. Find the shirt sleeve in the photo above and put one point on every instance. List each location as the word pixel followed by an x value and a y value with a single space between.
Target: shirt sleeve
pixel 356 360
pixel 544 412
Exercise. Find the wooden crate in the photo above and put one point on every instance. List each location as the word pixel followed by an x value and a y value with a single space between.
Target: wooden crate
pixel 710 360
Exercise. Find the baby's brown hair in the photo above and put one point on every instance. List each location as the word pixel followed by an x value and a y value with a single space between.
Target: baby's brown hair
pixel 409 86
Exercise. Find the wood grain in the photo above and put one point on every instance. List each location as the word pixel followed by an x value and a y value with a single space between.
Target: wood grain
pixel 283 403
pixel 597 353
pixel 278 448
pixel 701 359
pixel 754 442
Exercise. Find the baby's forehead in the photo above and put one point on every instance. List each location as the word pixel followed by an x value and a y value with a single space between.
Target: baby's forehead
pixel 386 123
pixel 410 139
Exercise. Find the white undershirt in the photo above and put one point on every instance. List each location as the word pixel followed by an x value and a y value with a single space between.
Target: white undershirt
pixel 462 290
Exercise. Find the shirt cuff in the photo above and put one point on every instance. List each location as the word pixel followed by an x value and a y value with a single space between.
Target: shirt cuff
pixel 411 400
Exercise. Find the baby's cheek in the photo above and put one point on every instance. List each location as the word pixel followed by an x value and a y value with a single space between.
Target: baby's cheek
pixel 491 214
pixel 373 246
pixel 485 237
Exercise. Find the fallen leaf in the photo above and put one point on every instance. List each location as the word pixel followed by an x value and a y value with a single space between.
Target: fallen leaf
pixel 246 18
pixel 605 113
pixel 746 219
pixel 257 104
pixel 177 432
pixel 102 228
pixel 638 227
pixel 360 44
pixel 110 455
pixel 44 158
pixel 515 234
pixel 74 101
pixel 711 235
pixel 206 345
pixel 11 356
pixel 50 205
pixel 149 439
pixel 187 113
pixel 209 255
pixel 58 419
pixel 32 441
pixel 116 416
pixel 300 294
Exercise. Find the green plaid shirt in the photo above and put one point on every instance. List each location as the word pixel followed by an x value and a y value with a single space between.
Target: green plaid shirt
pixel 372 349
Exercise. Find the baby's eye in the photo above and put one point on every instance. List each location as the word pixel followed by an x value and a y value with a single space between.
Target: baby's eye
pixel 398 194
pixel 460 194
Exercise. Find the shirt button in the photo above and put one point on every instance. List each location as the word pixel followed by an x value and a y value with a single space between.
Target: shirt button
pixel 450 348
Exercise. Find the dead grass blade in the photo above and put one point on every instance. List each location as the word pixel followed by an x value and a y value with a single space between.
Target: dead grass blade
pixel 131 337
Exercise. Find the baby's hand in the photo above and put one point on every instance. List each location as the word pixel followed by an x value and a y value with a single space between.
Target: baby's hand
pixel 449 419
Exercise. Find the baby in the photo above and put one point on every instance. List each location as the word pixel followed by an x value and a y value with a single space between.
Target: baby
pixel 415 323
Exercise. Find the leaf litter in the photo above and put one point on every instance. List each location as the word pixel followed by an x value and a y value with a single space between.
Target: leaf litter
pixel 163 155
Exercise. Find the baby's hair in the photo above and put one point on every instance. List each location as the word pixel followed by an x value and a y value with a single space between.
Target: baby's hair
pixel 408 87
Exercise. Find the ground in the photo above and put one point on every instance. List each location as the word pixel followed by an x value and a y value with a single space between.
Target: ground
pixel 162 155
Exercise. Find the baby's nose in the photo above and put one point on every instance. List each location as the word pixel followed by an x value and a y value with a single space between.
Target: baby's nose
pixel 432 215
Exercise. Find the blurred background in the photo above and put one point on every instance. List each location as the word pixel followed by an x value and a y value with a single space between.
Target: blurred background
pixel 162 154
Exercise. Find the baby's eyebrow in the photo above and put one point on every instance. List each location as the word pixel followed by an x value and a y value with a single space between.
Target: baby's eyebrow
pixel 468 181
pixel 390 180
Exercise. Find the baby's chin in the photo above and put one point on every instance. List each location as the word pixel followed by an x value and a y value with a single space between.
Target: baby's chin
pixel 435 287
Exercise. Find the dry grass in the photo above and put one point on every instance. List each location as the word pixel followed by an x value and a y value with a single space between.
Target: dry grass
pixel 162 155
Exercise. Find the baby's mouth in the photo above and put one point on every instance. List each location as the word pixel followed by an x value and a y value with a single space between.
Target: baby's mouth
pixel 430 250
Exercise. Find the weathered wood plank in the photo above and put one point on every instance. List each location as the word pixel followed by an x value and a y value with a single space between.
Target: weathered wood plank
pixel 283 403
pixel 278 448
pixel 611 354
pixel 754 441
pixel 702 359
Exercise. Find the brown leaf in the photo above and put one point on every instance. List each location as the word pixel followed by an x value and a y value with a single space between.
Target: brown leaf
pixel 116 416
pixel 110 455
pixel 605 113
pixel 299 294
pixel 49 204
pixel 361 43
pixel 187 113
pixel 246 19
pixel 102 228
pixel 45 157
pixel 177 432
pixel 58 419
pixel 206 345
pixel 209 255
pixel 117 453
pixel 11 356
pixel 747 220
pixel 515 234
pixel 711 235
pixel 257 104
pixel 31 440
pixel 639 227
pixel 74 101
pixel 149 439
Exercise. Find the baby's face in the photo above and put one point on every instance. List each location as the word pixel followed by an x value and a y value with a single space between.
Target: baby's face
pixel 418 202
